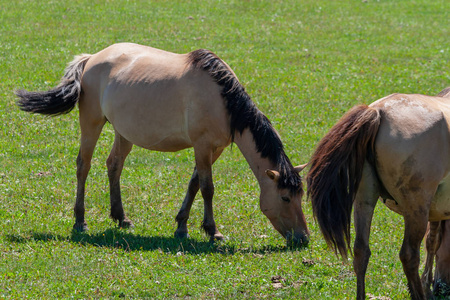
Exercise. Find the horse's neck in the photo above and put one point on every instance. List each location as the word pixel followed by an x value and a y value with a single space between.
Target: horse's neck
pixel 247 145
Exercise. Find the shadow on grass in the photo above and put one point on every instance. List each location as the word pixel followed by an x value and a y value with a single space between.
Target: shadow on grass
pixel 120 239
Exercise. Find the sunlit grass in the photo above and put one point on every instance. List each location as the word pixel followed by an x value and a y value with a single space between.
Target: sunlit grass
pixel 303 62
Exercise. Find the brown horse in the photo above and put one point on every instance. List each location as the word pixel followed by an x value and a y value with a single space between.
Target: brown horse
pixel 397 149
pixel 168 102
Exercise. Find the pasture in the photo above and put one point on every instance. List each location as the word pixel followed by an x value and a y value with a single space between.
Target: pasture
pixel 304 63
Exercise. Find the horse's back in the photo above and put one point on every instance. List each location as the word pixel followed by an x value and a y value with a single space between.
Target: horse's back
pixel 412 150
pixel 154 98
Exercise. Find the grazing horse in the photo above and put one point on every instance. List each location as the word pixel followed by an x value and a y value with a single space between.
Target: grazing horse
pixel 164 101
pixel 396 149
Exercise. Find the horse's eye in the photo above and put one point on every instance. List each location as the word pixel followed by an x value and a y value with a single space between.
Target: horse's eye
pixel 286 199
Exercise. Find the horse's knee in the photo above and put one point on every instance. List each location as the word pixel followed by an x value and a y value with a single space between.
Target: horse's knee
pixel 207 191
pixel 410 258
pixel 361 258
pixel 112 164
pixel 361 252
pixel 83 165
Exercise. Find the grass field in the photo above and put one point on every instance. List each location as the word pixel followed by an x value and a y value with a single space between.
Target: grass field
pixel 304 63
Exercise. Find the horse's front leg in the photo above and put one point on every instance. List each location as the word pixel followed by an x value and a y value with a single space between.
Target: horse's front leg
pixel 115 161
pixel 194 186
pixel 364 206
pixel 204 163
pixel 183 214
pixel 432 244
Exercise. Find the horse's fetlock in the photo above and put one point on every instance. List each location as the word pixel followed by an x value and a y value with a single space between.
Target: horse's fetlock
pixel 80 226
pixel 126 223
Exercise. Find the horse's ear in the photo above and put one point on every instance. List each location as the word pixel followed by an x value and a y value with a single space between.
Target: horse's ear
pixel 274 175
pixel 300 168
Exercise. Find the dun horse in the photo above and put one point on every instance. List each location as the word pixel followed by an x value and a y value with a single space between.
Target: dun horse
pixel 168 102
pixel 397 149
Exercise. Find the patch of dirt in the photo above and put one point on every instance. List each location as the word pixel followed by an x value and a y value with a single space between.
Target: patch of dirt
pixel 277 282
pixel 372 297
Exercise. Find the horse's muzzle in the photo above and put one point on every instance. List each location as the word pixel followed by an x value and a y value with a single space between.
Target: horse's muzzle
pixel 297 239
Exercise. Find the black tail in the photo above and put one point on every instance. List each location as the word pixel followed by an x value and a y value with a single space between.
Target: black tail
pixel 336 171
pixel 59 100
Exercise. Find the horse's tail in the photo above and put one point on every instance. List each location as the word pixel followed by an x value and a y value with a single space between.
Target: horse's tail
pixel 336 171
pixel 61 99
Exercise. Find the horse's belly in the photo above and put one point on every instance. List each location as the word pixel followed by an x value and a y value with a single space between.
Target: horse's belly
pixel 159 138
pixel 172 143
pixel 393 205
pixel 440 206
pixel 154 123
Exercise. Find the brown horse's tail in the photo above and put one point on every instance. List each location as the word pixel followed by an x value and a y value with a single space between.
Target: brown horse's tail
pixel 336 171
pixel 61 99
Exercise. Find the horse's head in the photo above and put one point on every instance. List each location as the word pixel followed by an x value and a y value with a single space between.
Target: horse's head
pixel 283 207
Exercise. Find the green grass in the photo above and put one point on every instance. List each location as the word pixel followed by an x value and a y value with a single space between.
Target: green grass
pixel 303 62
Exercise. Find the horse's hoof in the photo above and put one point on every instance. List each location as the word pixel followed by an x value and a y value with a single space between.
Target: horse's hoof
pixel 181 235
pixel 80 227
pixel 217 237
pixel 126 223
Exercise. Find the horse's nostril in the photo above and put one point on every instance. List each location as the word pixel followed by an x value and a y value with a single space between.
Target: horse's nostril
pixel 296 239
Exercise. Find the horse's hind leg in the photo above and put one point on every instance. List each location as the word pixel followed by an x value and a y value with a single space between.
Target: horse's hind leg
pixel 432 244
pixel 115 161
pixel 364 206
pixel 415 228
pixel 90 132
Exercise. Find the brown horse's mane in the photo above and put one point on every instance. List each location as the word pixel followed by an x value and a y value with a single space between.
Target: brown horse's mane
pixel 244 114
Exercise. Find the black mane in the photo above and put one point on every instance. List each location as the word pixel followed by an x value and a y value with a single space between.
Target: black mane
pixel 244 114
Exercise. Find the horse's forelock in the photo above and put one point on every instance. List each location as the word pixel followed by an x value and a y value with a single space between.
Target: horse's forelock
pixel 289 178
